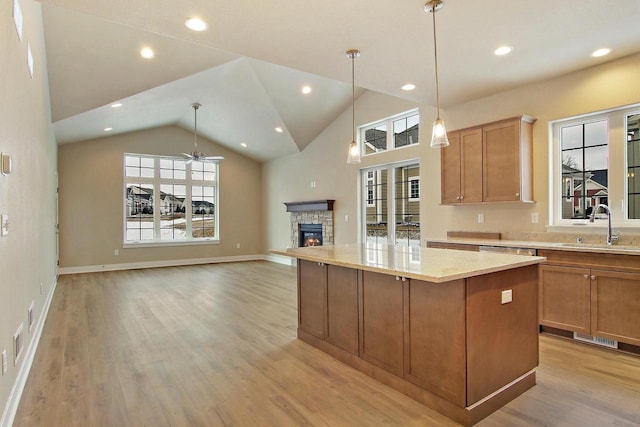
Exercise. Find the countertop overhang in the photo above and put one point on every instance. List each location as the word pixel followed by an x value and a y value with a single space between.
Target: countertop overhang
pixel 413 262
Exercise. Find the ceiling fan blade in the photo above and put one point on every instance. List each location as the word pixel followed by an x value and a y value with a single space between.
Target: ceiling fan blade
pixel 214 158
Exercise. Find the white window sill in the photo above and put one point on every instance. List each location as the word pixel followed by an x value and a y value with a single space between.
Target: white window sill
pixel 156 244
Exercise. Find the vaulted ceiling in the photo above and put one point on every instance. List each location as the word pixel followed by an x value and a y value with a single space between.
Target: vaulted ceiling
pixel 248 67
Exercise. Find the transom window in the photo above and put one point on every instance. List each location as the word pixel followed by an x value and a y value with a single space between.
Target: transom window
pixel 169 200
pixel 390 133
pixel 596 161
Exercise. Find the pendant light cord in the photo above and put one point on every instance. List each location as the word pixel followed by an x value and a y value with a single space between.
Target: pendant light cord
pixel 435 55
pixel 195 128
pixel 353 96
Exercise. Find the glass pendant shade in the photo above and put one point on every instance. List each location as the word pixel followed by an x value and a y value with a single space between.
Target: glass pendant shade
pixel 439 135
pixel 354 153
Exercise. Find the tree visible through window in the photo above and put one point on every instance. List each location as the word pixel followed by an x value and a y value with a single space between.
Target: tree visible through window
pixel 169 199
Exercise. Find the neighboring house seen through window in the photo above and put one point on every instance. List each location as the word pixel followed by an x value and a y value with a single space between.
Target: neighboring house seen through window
pixel 169 200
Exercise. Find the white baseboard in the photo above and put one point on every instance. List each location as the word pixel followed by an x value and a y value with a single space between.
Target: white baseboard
pixel 11 407
pixel 155 264
pixel 280 259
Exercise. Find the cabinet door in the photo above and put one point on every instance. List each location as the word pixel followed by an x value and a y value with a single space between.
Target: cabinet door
pixel 615 306
pixel 450 170
pixel 565 298
pixel 312 297
pixel 342 308
pixel 434 344
pixel 471 166
pixel 501 162
pixel 381 317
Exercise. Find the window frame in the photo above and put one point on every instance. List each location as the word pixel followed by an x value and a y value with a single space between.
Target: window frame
pixel 390 139
pixel 157 182
pixel 617 166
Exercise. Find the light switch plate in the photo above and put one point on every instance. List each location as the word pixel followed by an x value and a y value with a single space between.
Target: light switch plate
pixel 6 165
pixel 4 362
pixel 507 296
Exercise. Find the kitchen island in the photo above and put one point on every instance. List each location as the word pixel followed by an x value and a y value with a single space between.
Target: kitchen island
pixel 454 330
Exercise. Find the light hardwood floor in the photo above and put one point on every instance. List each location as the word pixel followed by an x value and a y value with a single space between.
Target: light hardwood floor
pixel 216 345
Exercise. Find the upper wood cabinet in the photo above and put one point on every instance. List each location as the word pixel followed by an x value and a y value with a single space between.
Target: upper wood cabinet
pixel 489 163
pixel 462 167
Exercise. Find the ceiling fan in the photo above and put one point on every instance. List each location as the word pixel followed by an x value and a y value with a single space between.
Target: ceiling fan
pixel 197 156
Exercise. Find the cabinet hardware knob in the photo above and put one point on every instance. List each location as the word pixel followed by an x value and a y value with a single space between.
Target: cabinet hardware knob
pixel 586 276
pixel 404 279
pixel 593 277
pixel 397 277
pixel 517 194
pixel 461 197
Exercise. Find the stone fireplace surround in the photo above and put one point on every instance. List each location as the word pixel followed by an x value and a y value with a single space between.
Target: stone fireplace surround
pixel 311 212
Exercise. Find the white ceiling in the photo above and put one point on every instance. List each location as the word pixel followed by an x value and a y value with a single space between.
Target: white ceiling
pixel 247 69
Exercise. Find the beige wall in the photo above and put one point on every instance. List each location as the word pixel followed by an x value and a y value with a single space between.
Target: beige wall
pixel 324 161
pixel 27 254
pixel 91 197
pixel 287 179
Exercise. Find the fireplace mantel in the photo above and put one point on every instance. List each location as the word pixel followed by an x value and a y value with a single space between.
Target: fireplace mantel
pixel 311 205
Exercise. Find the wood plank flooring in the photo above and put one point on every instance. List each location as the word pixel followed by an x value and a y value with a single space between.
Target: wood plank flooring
pixel 215 345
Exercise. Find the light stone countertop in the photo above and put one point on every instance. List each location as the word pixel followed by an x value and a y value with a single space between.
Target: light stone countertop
pixel 432 265
pixel 572 247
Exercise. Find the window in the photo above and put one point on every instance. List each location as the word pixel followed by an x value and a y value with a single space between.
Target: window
pixel 392 191
pixel 595 160
pixel 169 200
pixel 376 138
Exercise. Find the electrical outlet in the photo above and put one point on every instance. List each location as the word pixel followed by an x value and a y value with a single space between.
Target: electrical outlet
pixel 237 245
pixel 346 218
pixel 313 184
pixel 507 296
pixel 4 362
pixel 18 344
pixel 534 218
pixel 30 315
pixel 116 252
pixel 41 288
pixel 480 218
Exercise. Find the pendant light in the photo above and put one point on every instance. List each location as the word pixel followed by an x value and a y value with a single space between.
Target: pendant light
pixel 439 135
pixel 354 150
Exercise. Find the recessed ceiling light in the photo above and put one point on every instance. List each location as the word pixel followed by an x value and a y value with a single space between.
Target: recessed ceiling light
pixel 503 50
pixel 116 105
pixel 108 129
pixel 279 129
pixel 244 144
pixel 147 53
pixel 306 89
pixel 601 52
pixel 196 24
pixel 408 86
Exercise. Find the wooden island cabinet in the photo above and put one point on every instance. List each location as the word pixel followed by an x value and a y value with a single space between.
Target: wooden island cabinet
pixel 454 330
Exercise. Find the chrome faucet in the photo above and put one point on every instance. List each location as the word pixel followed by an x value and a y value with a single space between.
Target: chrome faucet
pixel 611 238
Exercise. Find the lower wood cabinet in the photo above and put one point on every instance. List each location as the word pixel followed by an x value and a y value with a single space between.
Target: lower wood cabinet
pixel 328 301
pixel 615 306
pixel 342 308
pixel 565 298
pixel 381 307
pixel 593 301
pixel 312 297
pixel 434 338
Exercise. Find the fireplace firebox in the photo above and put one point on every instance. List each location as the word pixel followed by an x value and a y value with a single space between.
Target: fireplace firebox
pixel 310 235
